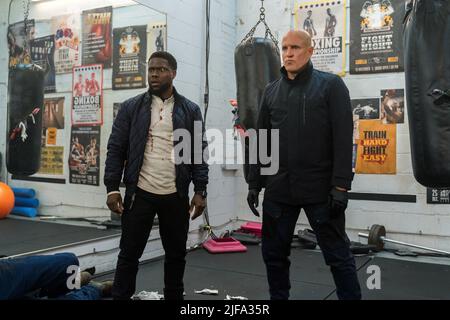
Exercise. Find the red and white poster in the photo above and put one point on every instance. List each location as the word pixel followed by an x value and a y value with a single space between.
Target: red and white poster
pixel 87 95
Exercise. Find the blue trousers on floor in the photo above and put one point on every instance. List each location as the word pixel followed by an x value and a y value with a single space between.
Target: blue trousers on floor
pixel 42 276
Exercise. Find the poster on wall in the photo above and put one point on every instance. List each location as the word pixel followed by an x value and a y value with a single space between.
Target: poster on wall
pixel 325 21
pixel 376 40
pixel 438 196
pixel 52 158
pixel 393 106
pixel 377 148
pixel 66 29
pixel 42 53
pixel 130 57
pixel 19 42
pixel 84 156
pixel 87 95
pixel 156 38
pixel 366 109
pixel 97 37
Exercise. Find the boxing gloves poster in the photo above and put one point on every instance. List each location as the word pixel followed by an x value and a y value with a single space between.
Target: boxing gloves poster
pixel 97 37
pixel 66 29
pixel 325 22
pixel 376 36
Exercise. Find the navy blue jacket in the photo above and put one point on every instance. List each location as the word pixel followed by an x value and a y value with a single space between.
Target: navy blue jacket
pixel 313 115
pixel 129 137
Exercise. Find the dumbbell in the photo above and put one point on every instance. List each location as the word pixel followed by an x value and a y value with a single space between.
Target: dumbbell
pixel 377 237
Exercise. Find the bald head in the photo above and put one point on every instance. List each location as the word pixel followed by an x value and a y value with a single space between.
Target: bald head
pixel 296 51
pixel 303 35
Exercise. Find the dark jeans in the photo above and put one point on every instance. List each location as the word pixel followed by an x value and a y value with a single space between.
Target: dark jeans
pixel 279 221
pixel 42 276
pixel 173 217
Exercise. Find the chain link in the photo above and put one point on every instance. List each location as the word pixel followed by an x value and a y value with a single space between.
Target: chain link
pixel 26 13
pixel 262 18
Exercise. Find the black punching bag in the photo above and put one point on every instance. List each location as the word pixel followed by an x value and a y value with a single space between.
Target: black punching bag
pixel 427 73
pixel 25 108
pixel 257 63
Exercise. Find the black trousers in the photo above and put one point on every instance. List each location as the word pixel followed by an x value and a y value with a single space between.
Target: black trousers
pixel 279 222
pixel 173 216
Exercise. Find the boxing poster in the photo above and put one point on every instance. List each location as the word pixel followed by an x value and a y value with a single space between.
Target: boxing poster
pixel 52 155
pixel 156 38
pixel 42 54
pixel 97 37
pixel 19 42
pixel 376 40
pixel 66 29
pixel 438 196
pixel 377 148
pixel 366 109
pixel 393 106
pixel 84 156
pixel 325 22
pixel 130 57
pixel 87 95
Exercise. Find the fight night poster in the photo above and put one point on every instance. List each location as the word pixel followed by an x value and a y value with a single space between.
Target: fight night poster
pixel 97 37
pixel 376 40
pixel 377 148
pixel 325 22
pixel 87 95
pixel 130 55
pixel 66 29
pixel 42 53
pixel 84 156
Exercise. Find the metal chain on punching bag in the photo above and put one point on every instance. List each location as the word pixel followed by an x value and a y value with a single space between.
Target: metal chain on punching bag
pixel 25 103
pixel 262 19
pixel 257 63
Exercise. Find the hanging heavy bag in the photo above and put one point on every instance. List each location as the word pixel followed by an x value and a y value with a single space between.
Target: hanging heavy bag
pixel 25 107
pixel 427 73
pixel 257 63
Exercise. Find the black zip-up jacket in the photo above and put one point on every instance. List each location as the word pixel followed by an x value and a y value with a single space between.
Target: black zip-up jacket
pixel 314 118
pixel 129 137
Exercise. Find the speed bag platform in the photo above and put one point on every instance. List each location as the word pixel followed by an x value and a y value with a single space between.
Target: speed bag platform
pixel 257 63
pixel 427 73
pixel 25 103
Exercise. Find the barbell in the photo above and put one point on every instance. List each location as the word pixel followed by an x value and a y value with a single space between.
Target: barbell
pixel 377 237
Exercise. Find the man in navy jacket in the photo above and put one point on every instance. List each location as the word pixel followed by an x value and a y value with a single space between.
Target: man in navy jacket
pixel 312 111
pixel 141 148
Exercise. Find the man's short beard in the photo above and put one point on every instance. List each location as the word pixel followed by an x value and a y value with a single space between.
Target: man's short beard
pixel 163 87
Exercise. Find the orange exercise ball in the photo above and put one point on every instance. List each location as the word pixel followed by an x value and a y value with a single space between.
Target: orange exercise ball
pixel 6 200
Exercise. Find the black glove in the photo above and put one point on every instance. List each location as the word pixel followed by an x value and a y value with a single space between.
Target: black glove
pixel 338 201
pixel 252 200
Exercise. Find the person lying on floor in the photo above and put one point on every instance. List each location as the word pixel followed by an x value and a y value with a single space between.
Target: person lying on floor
pixel 48 276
